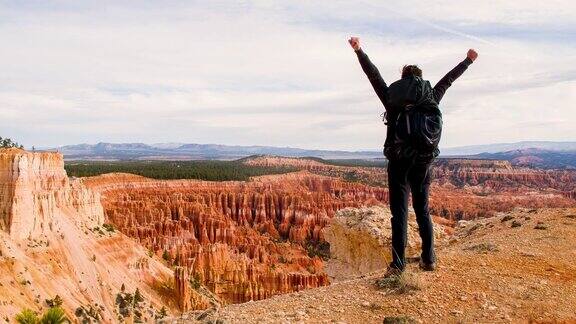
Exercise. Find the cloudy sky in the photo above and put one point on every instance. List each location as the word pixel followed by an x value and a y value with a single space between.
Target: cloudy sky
pixel 278 72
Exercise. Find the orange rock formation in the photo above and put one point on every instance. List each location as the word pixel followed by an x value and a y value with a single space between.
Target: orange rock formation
pixel 468 189
pixel 34 189
pixel 463 188
pixel 229 241
pixel 242 240
pixel 52 242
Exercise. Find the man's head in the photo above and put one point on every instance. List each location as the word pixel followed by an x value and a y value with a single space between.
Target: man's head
pixel 409 70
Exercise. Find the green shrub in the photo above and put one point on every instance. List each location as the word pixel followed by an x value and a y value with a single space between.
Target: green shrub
pixel 54 315
pixel 483 247
pixel 166 256
pixel 195 281
pixel 27 316
pixel 109 227
pixel 320 249
pixel 138 297
pixel 399 320
pixel 162 313
pixel 89 314
pixel 401 283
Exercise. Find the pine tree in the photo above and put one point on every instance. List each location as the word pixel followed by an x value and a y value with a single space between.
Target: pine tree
pixel 166 256
pixel 8 143
pixel 163 313
pixel 138 297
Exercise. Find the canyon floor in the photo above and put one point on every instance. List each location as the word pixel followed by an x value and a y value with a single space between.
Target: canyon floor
pixel 514 267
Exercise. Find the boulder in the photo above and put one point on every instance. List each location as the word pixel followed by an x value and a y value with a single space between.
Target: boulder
pixel 360 240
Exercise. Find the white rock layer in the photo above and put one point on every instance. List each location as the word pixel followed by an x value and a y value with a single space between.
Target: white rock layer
pixel 34 188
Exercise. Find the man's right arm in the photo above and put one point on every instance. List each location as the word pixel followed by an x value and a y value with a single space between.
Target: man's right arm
pixel 371 71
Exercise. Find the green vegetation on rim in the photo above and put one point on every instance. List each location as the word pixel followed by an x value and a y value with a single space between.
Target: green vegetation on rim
pixel 203 170
pixel 8 143
pixel 320 249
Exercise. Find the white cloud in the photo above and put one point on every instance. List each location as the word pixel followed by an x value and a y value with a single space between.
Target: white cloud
pixel 277 73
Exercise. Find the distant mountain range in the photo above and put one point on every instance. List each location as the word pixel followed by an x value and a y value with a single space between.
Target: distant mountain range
pixel 504 147
pixel 539 158
pixel 539 154
pixel 176 151
pixel 534 153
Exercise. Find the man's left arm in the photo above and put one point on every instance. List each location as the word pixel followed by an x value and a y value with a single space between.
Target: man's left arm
pixel 445 83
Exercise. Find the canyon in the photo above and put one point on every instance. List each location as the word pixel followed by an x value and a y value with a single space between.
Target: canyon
pixel 251 240
pixel 191 244
pixel 242 240
pixel 54 245
pixel 518 267
pixel 462 189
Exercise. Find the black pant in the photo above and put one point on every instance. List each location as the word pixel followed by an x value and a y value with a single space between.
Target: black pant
pixel 403 177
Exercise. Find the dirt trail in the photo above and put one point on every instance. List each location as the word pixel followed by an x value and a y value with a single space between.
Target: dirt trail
pixel 511 268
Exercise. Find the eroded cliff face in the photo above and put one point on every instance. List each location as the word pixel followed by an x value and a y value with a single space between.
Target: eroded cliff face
pixel 374 176
pixel 469 189
pixel 463 188
pixel 222 242
pixel 494 175
pixel 34 189
pixel 243 240
pixel 53 242
pixel 300 163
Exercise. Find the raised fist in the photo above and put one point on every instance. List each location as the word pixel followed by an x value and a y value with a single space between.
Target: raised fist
pixel 354 42
pixel 472 54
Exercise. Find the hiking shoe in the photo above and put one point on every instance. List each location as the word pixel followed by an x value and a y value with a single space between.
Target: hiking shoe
pixel 427 266
pixel 392 271
pixel 389 279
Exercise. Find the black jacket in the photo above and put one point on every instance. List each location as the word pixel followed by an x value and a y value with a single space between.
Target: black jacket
pixel 381 88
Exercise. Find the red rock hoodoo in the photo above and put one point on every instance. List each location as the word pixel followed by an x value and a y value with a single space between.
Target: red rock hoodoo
pixel 462 188
pixel 242 240
pixel 250 240
pixel 468 189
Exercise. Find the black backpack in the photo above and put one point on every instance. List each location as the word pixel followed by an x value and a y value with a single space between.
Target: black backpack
pixel 418 127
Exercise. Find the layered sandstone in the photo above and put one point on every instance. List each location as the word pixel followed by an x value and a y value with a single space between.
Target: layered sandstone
pixel 242 240
pixel 463 188
pixel 492 175
pixel 375 176
pixel 185 296
pixel 299 163
pixel 52 242
pixel 495 175
pixel 469 189
pixel 34 189
pixel 222 242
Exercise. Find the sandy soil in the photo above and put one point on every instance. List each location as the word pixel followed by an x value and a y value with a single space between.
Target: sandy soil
pixel 516 267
